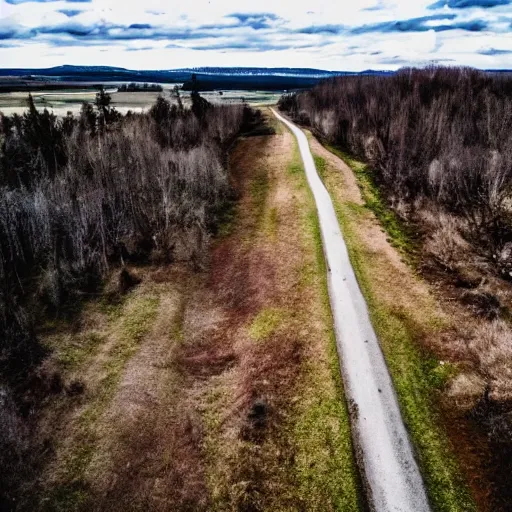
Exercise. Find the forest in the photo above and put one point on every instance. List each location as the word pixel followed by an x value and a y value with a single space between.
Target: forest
pixel 80 196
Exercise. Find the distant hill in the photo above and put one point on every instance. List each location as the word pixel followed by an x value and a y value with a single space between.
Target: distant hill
pixel 207 78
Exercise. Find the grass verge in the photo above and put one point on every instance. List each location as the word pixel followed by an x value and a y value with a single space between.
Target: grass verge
pixel 416 374
pixel 399 236
pixel 326 468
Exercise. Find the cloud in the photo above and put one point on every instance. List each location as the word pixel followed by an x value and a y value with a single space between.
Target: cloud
pixel 139 49
pixel 140 26
pixel 256 45
pixel 322 29
pixel 248 17
pixel 372 33
pixel 403 62
pixel 421 24
pixel 102 32
pixel 494 51
pixel 464 4
pixel 379 6
pixel 256 21
pixel 70 13
pixel 7 33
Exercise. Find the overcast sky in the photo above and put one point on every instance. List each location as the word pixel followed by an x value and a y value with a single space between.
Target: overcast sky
pixel 326 34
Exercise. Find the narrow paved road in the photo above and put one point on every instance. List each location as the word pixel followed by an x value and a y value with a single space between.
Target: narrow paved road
pixel 392 478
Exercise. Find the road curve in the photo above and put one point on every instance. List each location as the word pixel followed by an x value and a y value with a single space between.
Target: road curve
pixel 389 470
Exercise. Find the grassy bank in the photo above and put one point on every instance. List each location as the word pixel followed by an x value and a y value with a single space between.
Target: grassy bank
pixel 403 314
pixel 335 470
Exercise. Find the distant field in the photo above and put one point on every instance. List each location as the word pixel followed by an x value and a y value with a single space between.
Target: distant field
pixel 63 101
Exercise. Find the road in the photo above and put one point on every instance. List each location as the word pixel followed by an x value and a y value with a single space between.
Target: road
pixel 391 475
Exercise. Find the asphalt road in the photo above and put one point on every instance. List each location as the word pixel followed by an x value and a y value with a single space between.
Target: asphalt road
pixel 391 475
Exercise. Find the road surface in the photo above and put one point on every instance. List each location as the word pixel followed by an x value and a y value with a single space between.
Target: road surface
pixel 391 475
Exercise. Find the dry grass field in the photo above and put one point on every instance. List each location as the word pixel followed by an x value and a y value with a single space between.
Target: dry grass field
pixel 62 102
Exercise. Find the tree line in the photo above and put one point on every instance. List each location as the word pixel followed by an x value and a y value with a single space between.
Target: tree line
pixel 135 87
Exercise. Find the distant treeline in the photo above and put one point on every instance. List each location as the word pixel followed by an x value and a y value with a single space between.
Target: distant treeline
pixel 35 86
pixel 204 82
pixel 136 87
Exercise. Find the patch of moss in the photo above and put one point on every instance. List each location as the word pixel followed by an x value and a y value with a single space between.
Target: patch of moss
pixel 72 355
pixel 266 323
pixel 226 221
pixel 137 322
pixel 321 166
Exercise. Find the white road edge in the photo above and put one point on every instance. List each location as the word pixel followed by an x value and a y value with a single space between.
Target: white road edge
pixel 391 475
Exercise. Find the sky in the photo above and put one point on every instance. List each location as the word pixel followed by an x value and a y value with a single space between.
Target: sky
pixel 349 35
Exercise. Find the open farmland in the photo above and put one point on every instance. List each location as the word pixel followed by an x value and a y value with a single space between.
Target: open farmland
pixel 63 101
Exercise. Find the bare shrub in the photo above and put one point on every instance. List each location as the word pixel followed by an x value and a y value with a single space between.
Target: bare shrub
pixel 446 244
pixel 491 349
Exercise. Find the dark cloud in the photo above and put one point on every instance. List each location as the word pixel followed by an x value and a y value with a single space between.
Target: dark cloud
pixel 246 17
pixel 322 29
pixel 494 51
pixel 421 25
pixel 70 13
pixel 71 28
pixel 256 21
pixel 105 31
pixel 140 26
pixel 464 4
pixel 471 26
pixel 8 33
pixel 101 32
